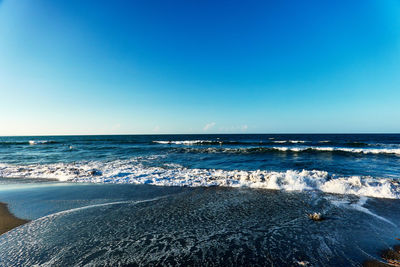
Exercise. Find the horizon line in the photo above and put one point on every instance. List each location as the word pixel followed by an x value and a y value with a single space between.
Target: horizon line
pixel 138 134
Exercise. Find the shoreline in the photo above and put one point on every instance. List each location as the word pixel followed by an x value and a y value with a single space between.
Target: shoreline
pixel 7 220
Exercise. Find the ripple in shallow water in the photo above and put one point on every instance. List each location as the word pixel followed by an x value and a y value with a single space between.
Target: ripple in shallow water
pixel 210 226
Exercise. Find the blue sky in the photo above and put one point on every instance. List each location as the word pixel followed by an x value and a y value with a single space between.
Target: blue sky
pixel 111 67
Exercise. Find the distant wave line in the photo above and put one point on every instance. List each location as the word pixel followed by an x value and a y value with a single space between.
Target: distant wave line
pixel 298 149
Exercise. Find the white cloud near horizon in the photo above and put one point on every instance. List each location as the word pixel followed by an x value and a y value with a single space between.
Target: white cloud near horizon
pixel 208 126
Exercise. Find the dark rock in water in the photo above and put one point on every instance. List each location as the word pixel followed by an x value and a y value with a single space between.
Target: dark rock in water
pixel 316 216
pixel 375 263
pixel 391 256
pixel 303 263
pixel 95 172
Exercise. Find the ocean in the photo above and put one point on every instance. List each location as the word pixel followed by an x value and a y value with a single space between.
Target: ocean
pixel 358 164
pixel 200 199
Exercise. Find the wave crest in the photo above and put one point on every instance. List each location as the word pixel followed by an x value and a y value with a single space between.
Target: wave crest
pixel 312 149
pixel 40 142
pixel 132 171
pixel 342 149
pixel 188 142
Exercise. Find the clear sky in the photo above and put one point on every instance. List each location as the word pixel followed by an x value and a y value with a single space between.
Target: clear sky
pixel 144 66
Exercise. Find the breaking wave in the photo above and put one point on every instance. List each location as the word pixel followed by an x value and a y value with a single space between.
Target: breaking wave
pixel 225 142
pixel 40 142
pixel 290 141
pixel 30 142
pixel 312 149
pixel 342 149
pixel 188 142
pixel 209 142
pixel 284 146
pixel 133 171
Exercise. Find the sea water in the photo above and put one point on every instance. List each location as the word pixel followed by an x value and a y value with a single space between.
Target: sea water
pixel 363 165
pixel 200 199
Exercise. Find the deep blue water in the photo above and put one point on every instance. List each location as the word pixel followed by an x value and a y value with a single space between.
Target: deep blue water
pixel 376 155
pixel 243 152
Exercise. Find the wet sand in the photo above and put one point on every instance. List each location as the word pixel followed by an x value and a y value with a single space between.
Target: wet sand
pixel 7 220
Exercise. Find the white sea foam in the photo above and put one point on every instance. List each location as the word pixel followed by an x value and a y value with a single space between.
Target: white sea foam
pixel 133 171
pixel 360 206
pixel 98 205
pixel 290 141
pixel 38 142
pixel 185 142
pixel 296 149
pixel 395 151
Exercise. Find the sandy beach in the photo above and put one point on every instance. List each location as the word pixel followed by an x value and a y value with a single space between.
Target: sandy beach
pixel 7 220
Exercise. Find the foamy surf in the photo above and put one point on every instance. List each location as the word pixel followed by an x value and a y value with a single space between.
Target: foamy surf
pixel 395 151
pixel 290 141
pixel 50 216
pixel 134 172
pixel 39 142
pixel 296 149
pixel 187 142
pixel 216 142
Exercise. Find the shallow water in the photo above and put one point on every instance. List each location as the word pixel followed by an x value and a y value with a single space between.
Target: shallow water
pixel 140 224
